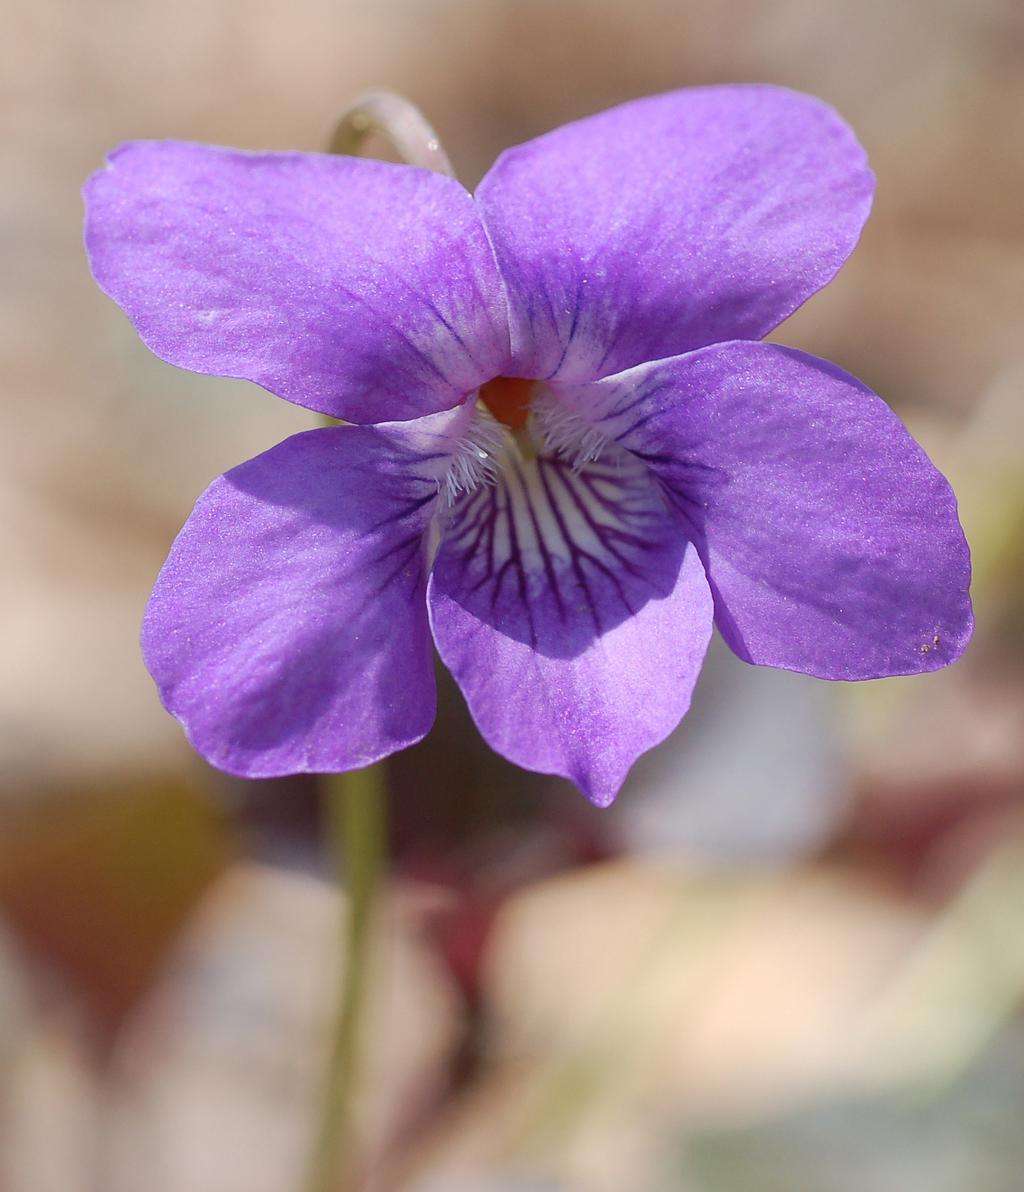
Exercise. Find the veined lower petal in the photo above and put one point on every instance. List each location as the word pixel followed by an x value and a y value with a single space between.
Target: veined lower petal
pixel 573 614
pixel 364 290
pixel 831 542
pixel 288 629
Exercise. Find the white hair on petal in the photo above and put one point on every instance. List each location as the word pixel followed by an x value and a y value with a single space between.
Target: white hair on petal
pixel 562 431
pixel 476 458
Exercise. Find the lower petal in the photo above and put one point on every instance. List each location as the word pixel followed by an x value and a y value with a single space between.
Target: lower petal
pixel 573 615
pixel 287 630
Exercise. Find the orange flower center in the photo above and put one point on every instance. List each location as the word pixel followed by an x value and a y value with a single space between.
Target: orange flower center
pixel 508 399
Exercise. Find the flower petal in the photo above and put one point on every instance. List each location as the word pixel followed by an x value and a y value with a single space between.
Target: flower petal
pixel 573 615
pixel 670 223
pixel 287 630
pixel 364 290
pixel 830 541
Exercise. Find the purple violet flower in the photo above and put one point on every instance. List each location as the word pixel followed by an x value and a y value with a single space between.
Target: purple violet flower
pixel 575 452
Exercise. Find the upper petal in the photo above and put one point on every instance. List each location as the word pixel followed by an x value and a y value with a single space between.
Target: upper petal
pixel 287 630
pixel 831 543
pixel 670 223
pixel 574 616
pixel 364 290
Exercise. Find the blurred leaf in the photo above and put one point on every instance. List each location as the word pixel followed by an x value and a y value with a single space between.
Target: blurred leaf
pixel 100 885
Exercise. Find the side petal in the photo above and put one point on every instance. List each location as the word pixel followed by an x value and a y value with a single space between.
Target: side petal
pixel 287 630
pixel 831 543
pixel 364 290
pixel 573 615
pixel 671 223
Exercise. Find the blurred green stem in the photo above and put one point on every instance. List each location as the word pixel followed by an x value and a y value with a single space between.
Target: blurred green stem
pixel 395 120
pixel 355 810
pixel 356 803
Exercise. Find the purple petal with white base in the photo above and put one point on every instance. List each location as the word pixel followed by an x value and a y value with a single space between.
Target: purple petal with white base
pixel 364 290
pixel 573 615
pixel 671 223
pixel 830 541
pixel 288 629
pixel 593 512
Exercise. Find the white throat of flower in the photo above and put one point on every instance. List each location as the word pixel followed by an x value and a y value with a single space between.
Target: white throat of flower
pixel 484 446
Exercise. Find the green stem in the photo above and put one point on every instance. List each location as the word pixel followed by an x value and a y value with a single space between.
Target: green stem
pixel 356 802
pixel 356 817
pixel 398 122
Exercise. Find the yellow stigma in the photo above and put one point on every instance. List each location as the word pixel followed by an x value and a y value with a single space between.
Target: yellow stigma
pixel 508 399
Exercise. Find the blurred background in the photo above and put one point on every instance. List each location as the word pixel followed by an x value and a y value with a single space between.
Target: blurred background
pixel 790 958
